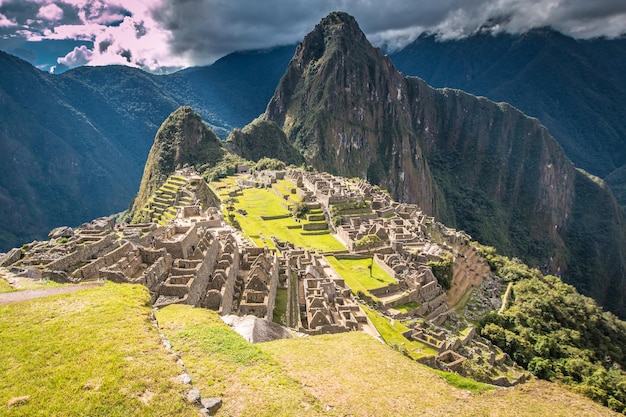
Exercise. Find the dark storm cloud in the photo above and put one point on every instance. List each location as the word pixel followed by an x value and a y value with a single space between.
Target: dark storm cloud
pixel 206 29
pixel 158 34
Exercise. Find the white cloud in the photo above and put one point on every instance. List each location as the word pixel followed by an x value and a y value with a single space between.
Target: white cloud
pixel 50 12
pixel 81 55
pixel 6 22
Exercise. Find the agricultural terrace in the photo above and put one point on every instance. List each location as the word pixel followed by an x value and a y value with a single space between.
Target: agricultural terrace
pixel 252 205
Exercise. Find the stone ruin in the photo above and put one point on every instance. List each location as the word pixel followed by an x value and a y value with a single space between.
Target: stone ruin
pixel 197 259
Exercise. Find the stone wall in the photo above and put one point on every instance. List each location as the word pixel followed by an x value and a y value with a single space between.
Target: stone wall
pixel 82 253
pixel 91 271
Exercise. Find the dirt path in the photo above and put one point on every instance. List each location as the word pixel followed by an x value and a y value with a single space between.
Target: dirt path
pixel 14 297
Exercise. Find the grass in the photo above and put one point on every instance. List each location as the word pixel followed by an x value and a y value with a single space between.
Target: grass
pixel 5 286
pixel 405 308
pixel 280 308
pixel 464 383
pixel 94 352
pixel 356 273
pixel 222 364
pixel 392 335
pixel 259 202
pixel 353 374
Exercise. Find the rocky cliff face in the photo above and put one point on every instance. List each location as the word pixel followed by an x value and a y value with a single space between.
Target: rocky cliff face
pixel 344 106
pixel 475 164
pixel 182 140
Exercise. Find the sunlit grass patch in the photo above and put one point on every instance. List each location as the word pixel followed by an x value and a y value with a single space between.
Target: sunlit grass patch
pixel 222 364
pixel 93 352
pixel 356 273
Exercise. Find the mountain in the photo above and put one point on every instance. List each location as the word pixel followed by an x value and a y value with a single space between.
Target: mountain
pixel 73 146
pixel 68 152
pixel 182 140
pixel 575 87
pixel 473 163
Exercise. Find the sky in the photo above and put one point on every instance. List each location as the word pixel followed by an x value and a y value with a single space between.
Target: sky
pixel 162 36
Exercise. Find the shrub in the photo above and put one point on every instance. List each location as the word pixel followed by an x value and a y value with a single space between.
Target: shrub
pixel 443 271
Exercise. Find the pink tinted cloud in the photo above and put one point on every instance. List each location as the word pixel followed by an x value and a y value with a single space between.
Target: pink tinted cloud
pixel 81 55
pixel 6 22
pixel 50 12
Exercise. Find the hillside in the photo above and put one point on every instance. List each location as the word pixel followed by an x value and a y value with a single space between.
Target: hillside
pixel 575 87
pixel 474 164
pixel 183 140
pixel 73 146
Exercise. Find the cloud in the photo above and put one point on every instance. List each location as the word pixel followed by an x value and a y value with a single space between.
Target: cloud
pixel 161 35
pixel 50 12
pixel 81 55
pixel 203 30
pixel 6 22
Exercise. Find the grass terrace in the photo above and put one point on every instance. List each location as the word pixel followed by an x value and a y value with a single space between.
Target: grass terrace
pixel 260 203
pixel 356 273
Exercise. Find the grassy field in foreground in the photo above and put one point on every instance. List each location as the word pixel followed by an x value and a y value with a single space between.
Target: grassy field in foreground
pixel 356 273
pixel 96 353
pixel 356 375
pixel 90 353
pixel 222 364
pixel 259 202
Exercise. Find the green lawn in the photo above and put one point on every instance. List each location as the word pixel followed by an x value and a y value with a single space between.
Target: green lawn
pixel 259 202
pixel 405 308
pixel 90 353
pixel 356 273
pixel 222 364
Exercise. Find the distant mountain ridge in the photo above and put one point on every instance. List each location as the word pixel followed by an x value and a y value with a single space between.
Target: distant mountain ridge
pixel 575 87
pixel 73 146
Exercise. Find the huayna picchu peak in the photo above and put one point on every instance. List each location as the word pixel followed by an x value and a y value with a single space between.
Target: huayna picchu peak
pixel 476 165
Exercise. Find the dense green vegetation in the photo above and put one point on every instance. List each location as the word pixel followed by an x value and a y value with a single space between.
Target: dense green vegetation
pixel 558 334
pixel 443 270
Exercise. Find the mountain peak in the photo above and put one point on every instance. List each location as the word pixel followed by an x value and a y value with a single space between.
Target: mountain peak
pixel 182 140
pixel 335 33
